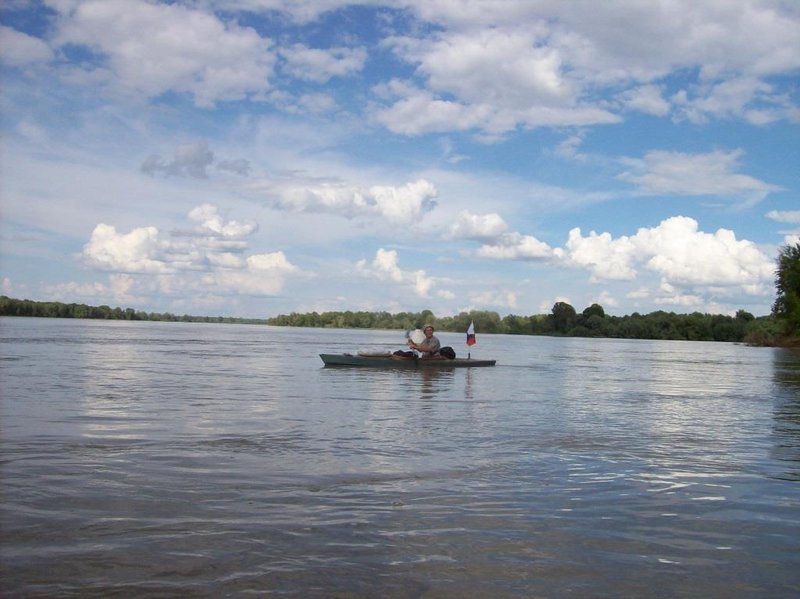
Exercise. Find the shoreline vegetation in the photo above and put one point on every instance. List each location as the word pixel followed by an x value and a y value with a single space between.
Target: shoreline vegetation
pixel 563 321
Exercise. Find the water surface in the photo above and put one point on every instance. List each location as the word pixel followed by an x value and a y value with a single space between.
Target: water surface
pixel 199 460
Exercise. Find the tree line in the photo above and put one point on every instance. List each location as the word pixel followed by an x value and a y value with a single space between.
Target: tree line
pixel 781 327
pixel 563 320
pixel 25 307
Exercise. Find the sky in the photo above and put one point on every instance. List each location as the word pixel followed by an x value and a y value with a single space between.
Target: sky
pixel 251 158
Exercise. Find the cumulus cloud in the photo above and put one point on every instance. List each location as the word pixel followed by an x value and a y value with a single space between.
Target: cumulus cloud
pixel 385 267
pixel 515 246
pixel 210 222
pixel 213 253
pixel 137 251
pixel 263 274
pixel 504 67
pixel 416 111
pixel 152 48
pixel 397 205
pixel 320 65
pixel 714 173
pixel 606 257
pixel 477 226
pixel 671 250
pixel 668 251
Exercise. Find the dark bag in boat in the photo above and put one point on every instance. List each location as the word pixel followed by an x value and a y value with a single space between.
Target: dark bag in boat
pixel 404 354
pixel 448 352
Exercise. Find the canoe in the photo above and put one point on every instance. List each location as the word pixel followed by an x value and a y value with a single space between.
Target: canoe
pixel 388 360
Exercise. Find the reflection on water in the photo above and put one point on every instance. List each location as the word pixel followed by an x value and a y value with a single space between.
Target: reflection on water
pixel 170 459
pixel 786 375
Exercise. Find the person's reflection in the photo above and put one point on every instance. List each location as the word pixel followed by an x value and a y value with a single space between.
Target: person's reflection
pixel 428 384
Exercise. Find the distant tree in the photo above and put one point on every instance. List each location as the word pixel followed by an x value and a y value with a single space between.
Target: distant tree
pixel 787 284
pixel 516 325
pixel 564 317
pixel 594 310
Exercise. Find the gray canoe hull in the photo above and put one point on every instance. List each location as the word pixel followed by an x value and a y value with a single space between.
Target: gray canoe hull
pixel 392 361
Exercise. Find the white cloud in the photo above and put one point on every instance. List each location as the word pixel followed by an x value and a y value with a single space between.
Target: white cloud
pixel 385 267
pixel 676 244
pixel 607 258
pixel 477 226
pixel 313 103
pixel 509 68
pixel 151 49
pixel 81 290
pixel 397 205
pixel 416 112
pixel 211 223
pixel 679 173
pixel 677 251
pixel 299 11
pixel 757 36
pixel 496 66
pixel 211 257
pixel 264 274
pixel 607 300
pixel 515 246
pixel 499 298
pixel 191 160
pixel 785 216
pixel 741 97
pixel 668 295
pixel 119 288
pixel 20 49
pixel 569 147
pixel 647 99
pixel 319 65
pixel 137 251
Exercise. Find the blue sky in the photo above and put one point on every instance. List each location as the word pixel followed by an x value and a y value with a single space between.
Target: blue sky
pixel 257 157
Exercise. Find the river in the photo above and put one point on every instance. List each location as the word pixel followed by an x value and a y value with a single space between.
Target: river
pixel 146 459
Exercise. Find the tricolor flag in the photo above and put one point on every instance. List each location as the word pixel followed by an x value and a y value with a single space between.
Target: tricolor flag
pixel 471 333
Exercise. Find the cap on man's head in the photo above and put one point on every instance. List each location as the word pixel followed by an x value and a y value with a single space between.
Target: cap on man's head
pixel 427 326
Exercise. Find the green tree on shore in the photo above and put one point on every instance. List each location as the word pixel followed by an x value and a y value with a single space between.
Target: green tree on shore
pixel 787 284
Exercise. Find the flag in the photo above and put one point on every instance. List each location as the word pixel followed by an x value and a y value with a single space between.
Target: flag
pixel 471 334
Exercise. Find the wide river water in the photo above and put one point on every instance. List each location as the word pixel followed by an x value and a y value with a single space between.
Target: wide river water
pixel 205 460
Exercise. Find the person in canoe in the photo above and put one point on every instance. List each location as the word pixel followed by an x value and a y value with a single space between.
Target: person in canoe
pixel 429 346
